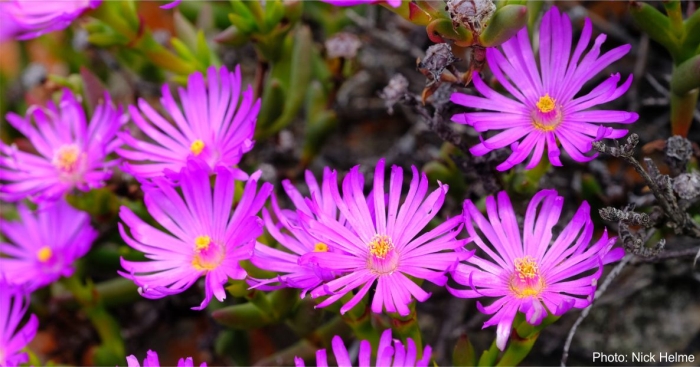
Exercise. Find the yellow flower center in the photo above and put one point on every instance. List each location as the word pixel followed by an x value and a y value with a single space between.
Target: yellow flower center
pixel 546 104
pixel 201 243
pixel 44 254
pixel 380 246
pixel 526 280
pixel 197 146
pixel 66 158
pixel 208 255
pixel 547 116
pixel 320 247
pixel 526 268
pixel 383 257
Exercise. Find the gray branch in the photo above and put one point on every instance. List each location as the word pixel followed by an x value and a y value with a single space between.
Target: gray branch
pixel 660 185
pixel 603 287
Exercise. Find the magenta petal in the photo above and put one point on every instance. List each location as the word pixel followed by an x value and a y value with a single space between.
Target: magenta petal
pixel 171 5
pixel 204 235
pixel 72 152
pixel 555 80
pixel 217 125
pixel 533 276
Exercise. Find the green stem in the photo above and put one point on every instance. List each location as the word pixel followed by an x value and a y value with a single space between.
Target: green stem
pixel 117 291
pixel 522 339
pixel 407 327
pixel 112 293
pixel 675 15
pixel 489 356
pixel 463 353
pixel 533 13
pixel 686 76
pixel 527 182
pixel 682 108
pixel 306 348
pixel 107 327
pixel 518 349
pixel 359 318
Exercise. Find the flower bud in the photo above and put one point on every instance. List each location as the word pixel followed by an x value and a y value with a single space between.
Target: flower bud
pixel 436 59
pixel 394 91
pixel 343 45
pixel 678 152
pixel 687 185
pixel 473 14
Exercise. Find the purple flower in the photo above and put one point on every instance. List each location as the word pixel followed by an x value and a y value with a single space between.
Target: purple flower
pixel 394 3
pixel 25 19
pixel 526 273
pixel 204 237
pixel 380 243
pixel 151 360
pixel 289 233
pixel 397 356
pixel 545 112
pixel 72 153
pixel 217 126
pixel 45 244
pixel 13 306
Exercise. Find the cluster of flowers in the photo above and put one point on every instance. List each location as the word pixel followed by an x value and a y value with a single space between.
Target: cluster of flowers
pixel 337 241
pixel 26 19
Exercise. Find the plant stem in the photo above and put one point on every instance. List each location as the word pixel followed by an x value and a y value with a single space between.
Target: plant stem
pixel 407 327
pixel 359 318
pixel 682 109
pixel 260 73
pixel 106 326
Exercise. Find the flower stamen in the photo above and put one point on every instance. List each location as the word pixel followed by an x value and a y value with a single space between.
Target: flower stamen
pixel 383 258
pixel 547 115
pixel 197 147
pixel 44 254
pixel 526 268
pixel 526 280
pixel 546 104
pixel 201 243
pixel 66 158
pixel 320 247
pixel 380 246
pixel 208 255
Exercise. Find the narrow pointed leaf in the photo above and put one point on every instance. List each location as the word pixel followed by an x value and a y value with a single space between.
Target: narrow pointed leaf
pixel 243 316
pixel 488 357
pixel 506 22
pixel 656 25
pixel 463 353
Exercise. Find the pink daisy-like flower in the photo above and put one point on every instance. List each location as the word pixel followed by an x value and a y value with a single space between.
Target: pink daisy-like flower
pixel 44 244
pixel 151 360
pixel 25 19
pixel 289 233
pixel 13 306
pixel 546 111
pixel 72 153
pixel 205 237
pixel 394 3
pixel 217 126
pixel 529 272
pixel 398 355
pixel 381 243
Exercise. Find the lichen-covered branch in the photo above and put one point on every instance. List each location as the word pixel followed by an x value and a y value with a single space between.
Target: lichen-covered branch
pixel 660 185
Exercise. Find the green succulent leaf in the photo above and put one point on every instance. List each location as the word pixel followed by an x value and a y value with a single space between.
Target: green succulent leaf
pixel 656 25
pixel 463 353
pixel 504 24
